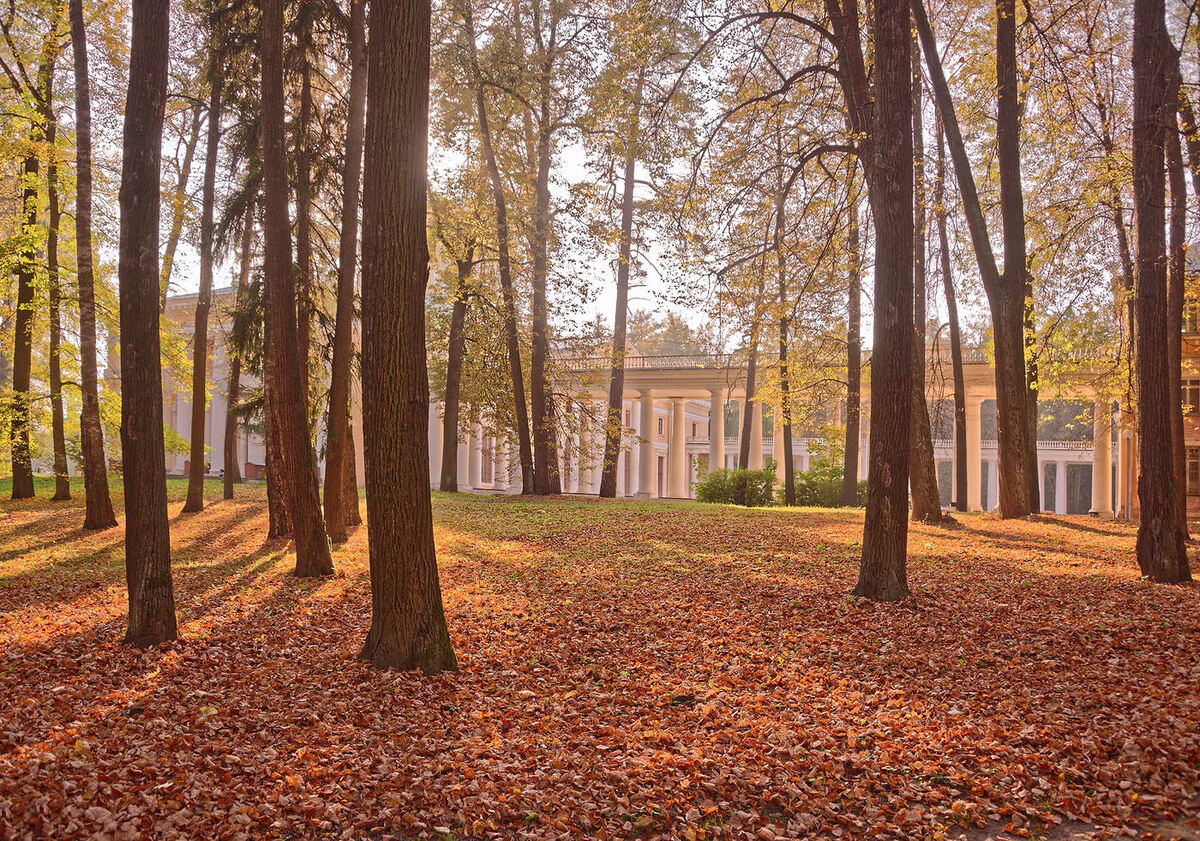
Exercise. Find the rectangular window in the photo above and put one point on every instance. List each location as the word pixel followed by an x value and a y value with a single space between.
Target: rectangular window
pixel 661 426
pixel 693 430
pixel 1191 396
pixel 1193 471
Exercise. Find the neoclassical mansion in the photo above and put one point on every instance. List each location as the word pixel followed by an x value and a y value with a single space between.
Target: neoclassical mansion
pixel 672 433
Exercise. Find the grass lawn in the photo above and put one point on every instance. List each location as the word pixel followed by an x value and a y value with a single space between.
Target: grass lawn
pixel 628 670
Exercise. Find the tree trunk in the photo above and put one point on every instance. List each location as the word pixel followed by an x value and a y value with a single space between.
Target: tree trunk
pixel 408 624
pixel 195 491
pixel 279 517
pixel 546 478
pixel 853 352
pixel 783 422
pixel 883 574
pixel 1160 543
pixel 1012 213
pixel 19 432
pixel 508 295
pixel 304 284
pixel 337 437
pixel 233 473
pixel 147 537
pixel 350 509
pixel 179 207
pixel 98 511
pixel 956 355
pixel 450 406
pixel 312 546
pixel 1176 281
pixel 62 481
pixel 614 422
pixel 1006 293
pixel 922 469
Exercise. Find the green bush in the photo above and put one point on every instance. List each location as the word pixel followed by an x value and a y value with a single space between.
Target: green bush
pixel 753 488
pixel 821 486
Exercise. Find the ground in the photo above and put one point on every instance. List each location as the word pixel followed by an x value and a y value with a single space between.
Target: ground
pixel 627 670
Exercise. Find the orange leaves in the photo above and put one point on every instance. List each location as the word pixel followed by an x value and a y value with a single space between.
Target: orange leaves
pixel 629 670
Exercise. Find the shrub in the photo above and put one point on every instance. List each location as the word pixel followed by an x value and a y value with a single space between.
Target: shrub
pixel 821 486
pixel 753 488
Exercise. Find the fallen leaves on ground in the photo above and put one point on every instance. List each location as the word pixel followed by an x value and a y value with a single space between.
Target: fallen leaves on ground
pixel 627 670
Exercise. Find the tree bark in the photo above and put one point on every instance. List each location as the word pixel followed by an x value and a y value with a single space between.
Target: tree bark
pixel 1160 544
pixel 1176 281
pixel 546 478
pixel 508 295
pixel 1006 293
pixel 614 422
pixel 196 466
pixel 956 355
pixel 408 624
pixel 922 469
pixel 98 509
pixel 783 423
pixel 1012 214
pixel 147 539
pixel 350 509
pixel 279 517
pixel 304 284
pixel 337 437
pixel 62 481
pixel 19 428
pixel 853 351
pixel 233 473
pixel 448 481
pixel 179 206
pixel 312 545
pixel 883 574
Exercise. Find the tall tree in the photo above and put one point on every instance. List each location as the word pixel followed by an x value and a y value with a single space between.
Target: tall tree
pixel 147 538
pixel 883 573
pixel 196 466
pixel 98 509
pixel 956 355
pixel 62 482
pixel 408 624
pixel 337 435
pixel 463 266
pixel 1176 282
pixel 922 470
pixel 180 199
pixel 304 21
pixel 289 408
pixel 504 260
pixel 232 472
pixel 613 426
pixel 1160 544
pixel 1006 291
pixel 37 96
pixel 853 346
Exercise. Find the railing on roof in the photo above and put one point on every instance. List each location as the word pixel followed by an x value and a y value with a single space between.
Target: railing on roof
pixel 1101 354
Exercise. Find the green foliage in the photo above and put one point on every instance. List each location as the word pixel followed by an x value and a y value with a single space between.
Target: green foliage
pixel 753 488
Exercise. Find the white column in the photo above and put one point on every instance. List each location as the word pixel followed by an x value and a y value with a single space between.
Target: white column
pixel 756 435
pixel 586 453
pixel 677 454
pixel 646 445
pixel 475 458
pixel 1060 487
pixel 974 430
pixel 515 485
pixel 464 457
pixel 1102 460
pixel 435 443
pixel 500 461
pixel 777 445
pixel 716 428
